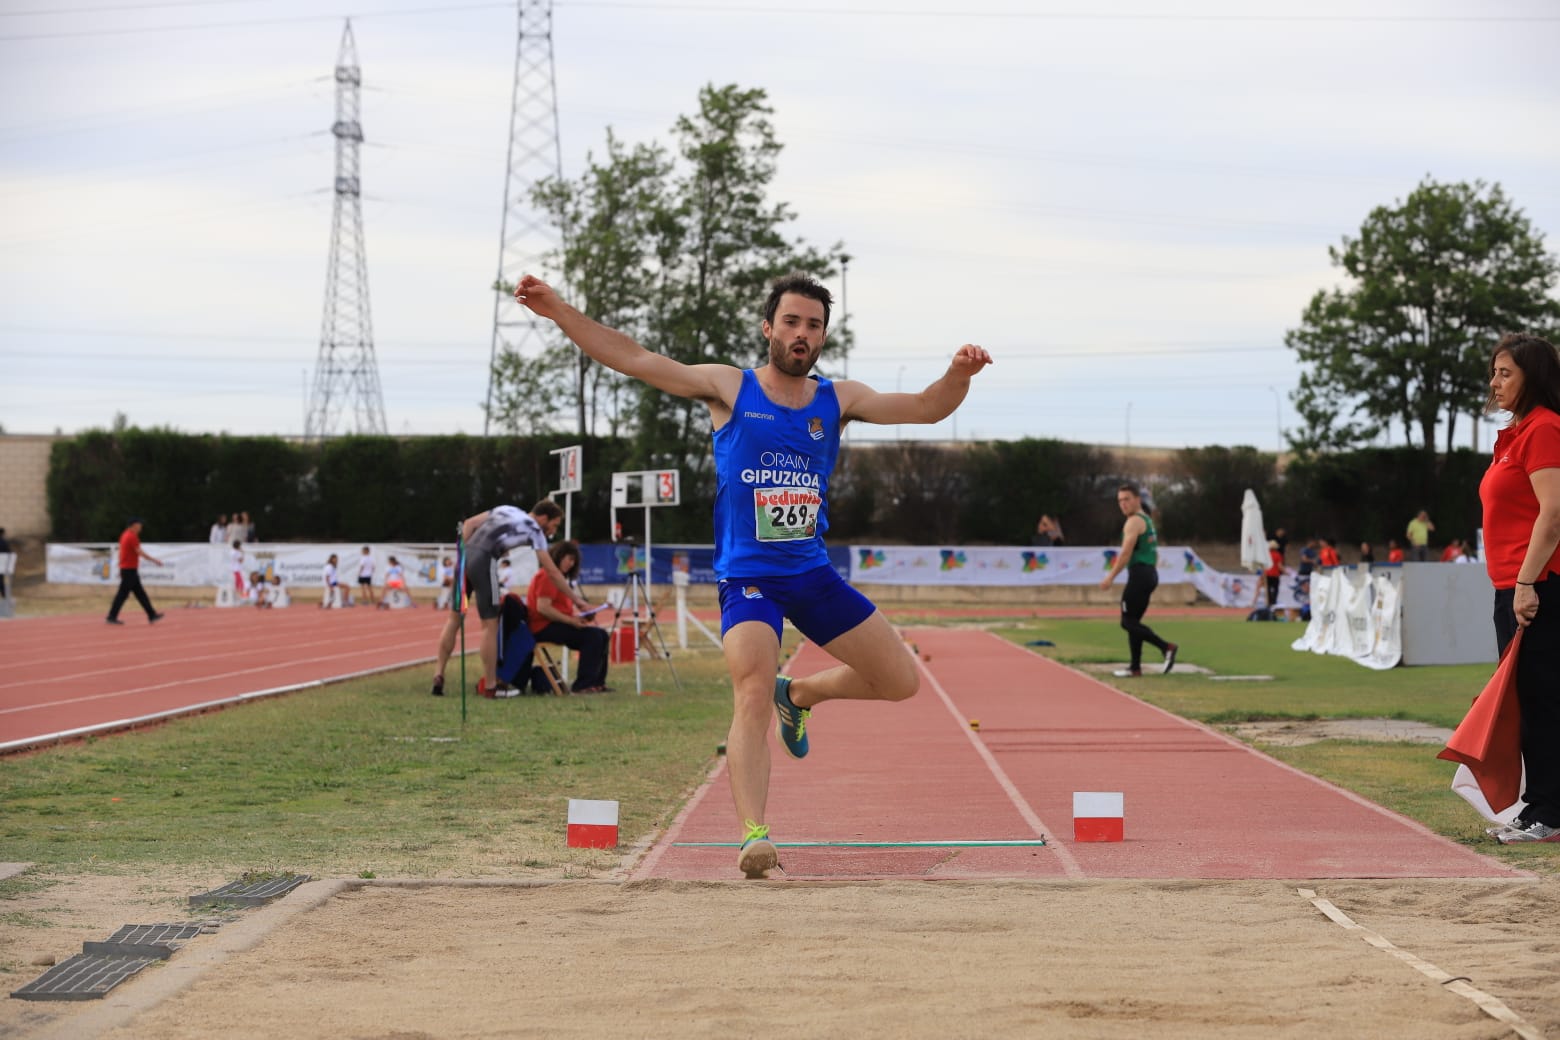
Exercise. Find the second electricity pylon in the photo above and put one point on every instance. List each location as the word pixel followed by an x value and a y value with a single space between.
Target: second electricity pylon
pixel 346 376
pixel 525 236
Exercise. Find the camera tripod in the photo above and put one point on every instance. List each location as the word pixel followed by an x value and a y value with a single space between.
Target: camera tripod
pixel 635 593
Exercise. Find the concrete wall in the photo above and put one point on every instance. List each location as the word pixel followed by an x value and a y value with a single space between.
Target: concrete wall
pixel 24 474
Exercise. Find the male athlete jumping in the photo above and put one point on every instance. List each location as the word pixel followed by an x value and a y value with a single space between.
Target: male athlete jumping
pixel 776 434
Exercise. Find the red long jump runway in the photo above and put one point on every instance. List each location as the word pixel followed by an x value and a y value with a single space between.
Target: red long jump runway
pixel 1198 804
pixel 70 675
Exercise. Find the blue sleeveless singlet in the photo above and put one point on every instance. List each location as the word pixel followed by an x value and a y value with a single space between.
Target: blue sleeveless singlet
pixel 772 467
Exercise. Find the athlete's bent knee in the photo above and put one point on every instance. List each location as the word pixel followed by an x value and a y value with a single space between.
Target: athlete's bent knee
pixel 902 682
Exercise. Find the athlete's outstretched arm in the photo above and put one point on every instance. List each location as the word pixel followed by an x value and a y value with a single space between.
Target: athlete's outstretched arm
pixel 622 354
pixel 932 405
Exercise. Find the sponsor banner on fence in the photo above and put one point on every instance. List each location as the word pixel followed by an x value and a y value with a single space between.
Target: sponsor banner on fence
pixel 1018 565
pixel 194 564
pixel 302 566
pixel 612 564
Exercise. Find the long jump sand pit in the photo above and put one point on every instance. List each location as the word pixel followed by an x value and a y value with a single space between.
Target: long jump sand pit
pixel 1167 959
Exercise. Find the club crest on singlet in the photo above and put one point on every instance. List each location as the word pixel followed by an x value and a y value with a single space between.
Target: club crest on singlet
pixel 815 428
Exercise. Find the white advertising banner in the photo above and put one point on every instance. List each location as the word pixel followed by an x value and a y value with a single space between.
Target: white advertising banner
pixel 1016 565
pixel 300 566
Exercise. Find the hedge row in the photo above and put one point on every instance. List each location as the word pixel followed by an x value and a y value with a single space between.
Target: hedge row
pixel 416 488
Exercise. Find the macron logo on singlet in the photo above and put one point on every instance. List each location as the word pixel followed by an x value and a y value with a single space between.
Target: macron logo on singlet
pixel 758 415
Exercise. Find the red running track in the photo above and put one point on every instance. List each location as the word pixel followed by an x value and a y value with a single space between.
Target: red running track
pixel 71 675
pixel 1198 803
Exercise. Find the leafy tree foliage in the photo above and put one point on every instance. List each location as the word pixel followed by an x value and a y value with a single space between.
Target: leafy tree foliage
pixel 675 247
pixel 1434 281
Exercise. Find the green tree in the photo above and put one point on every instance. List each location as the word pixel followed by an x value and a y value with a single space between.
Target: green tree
pixel 676 247
pixel 1432 283
pixel 610 217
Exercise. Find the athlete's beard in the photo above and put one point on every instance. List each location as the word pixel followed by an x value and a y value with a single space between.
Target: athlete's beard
pixel 780 357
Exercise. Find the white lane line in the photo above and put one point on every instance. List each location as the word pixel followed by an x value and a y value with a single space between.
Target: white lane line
pixel 1490 1005
pixel 1069 864
pixel 190 709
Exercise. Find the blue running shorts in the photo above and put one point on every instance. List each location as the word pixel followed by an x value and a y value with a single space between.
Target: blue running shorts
pixel 821 604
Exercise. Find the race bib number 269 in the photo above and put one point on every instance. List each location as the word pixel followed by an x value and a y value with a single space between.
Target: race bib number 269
pixel 785 514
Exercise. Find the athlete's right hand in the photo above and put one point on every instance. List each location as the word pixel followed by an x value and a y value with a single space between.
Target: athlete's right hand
pixel 537 295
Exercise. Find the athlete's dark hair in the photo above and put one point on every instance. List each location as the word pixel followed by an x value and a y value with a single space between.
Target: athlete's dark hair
pixel 801 285
pixel 1540 365
pixel 1131 489
pixel 547 509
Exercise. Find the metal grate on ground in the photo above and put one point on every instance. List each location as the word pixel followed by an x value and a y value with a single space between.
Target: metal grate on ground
pixel 82 977
pixel 144 940
pixel 251 893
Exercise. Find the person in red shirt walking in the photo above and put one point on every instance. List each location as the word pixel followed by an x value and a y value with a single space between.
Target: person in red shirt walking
pixel 130 553
pixel 1520 494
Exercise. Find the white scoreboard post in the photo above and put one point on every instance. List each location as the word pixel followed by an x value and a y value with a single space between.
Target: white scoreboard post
pixel 571 478
pixel 645 489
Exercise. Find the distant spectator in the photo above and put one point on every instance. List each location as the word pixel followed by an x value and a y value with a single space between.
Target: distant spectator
pixel 249 527
pixel 1282 538
pixel 130 553
pixel 395 579
pixel 236 559
pixel 1454 549
pixel 366 565
pixel 5 547
pixel 332 583
pixel 237 530
pixel 1367 554
pixel 1048 531
pixel 1394 551
pixel 1274 573
pixel 1419 530
pixel 277 594
pixel 256 592
pixel 446 583
pixel 218 535
pixel 1327 556
pixel 1308 558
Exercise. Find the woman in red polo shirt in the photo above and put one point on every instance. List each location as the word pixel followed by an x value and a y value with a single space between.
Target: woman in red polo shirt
pixel 554 620
pixel 1520 493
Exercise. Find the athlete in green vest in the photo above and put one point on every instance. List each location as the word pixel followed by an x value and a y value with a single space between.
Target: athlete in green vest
pixel 1139 556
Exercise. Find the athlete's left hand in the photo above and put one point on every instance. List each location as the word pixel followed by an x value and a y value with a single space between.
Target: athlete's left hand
pixel 969 359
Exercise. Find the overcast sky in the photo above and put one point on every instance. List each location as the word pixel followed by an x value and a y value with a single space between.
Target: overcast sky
pixel 1127 209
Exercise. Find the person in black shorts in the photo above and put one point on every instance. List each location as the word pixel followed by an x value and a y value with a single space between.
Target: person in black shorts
pixel 1139 556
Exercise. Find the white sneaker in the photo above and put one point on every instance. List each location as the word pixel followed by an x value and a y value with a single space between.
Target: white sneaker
pixel 1532 832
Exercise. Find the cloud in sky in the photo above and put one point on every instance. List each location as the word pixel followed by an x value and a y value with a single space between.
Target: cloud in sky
pixel 1128 209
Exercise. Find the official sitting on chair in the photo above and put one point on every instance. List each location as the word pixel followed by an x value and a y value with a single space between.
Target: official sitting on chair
pixel 554 620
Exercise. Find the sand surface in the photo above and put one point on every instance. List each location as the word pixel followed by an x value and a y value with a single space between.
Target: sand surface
pixel 1167 959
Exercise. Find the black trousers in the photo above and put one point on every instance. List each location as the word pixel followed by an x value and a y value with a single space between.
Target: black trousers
pixel 590 641
pixel 1538 691
pixel 1272 589
pixel 1142 580
pixel 130 585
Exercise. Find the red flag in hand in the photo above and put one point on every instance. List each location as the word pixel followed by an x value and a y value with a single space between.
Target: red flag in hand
pixel 1489 739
